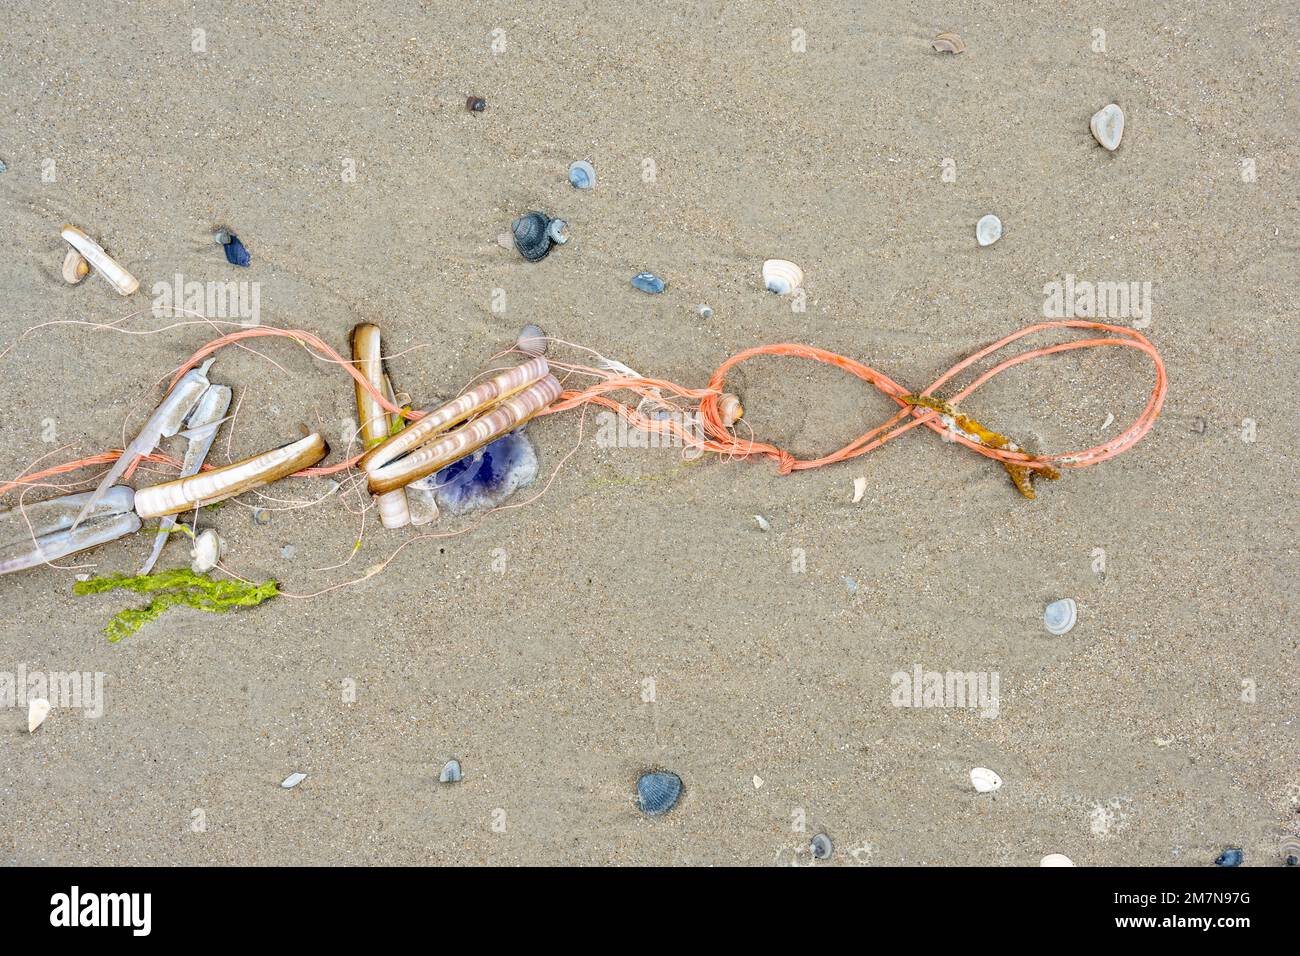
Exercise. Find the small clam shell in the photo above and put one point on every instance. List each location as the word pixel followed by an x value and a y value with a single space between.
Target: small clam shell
pixel 658 792
pixel 558 230
pixel 948 43
pixel 1107 126
pixel 988 230
pixel 1291 851
pixel 37 710
pixel 781 277
pixel 1060 616
pixel 75 267
pixel 729 409
pixel 821 847
pixel 206 551
pixel 532 340
pixel 985 780
pixel 293 780
pixel 1232 856
pixel 1056 859
pixel 530 235
pixel 582 175
pixel 450 772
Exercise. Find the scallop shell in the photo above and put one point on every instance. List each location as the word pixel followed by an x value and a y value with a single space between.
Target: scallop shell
pixel 985 780
pixel 37 710
pixel 1060 616
pixel 988 230
pixel 1056 859
pixel 530 235
pixel 729 409
pixel 657 792
pixel 781 277
pixel 206 551
pixel 948 43
pixel 532 340
pixel 1107 126
pixel 75 267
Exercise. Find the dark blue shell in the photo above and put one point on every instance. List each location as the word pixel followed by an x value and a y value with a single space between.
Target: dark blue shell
pixel 236 254
pixel 487 477
pixel 530 235
pixel 1232 856
pixel 657 792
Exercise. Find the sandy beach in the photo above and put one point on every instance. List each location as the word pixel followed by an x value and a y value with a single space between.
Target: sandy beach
pixel 635 616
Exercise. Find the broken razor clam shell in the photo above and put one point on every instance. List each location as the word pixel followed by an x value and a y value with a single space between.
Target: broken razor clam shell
pixel 203 424
pixel 75 267
pixel 500 419
pixel 988 230
pixel 374 418
pixel 532 236
pixel 1107 125
pixel 658 792
pixel 1056 859
pixel 489 476
pixel 450 772
pixel 208 487
pixel 100 261
pixel 781 276
pixel 23 523
pixel 1060 616
pixel 985 780
pixel 38 708
pixel 475 400
pixel 948 43
pixel 532 340
pixel 207 551
pixel 165 422
pixel 60 544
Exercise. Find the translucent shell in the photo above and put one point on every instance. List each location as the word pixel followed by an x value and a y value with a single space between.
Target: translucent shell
pixel 781 277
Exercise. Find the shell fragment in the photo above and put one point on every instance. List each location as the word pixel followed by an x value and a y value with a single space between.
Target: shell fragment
pixel 985 780
pixel 37 710
pixel 988 230
pixel 1107 126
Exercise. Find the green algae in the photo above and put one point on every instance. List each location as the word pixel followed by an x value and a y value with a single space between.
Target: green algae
pixel 179 587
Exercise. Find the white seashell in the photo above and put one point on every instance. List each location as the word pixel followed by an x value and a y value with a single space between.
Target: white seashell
pixel 293 780
pixel 206 551
pixel 859 489
pixel 988 230
pixel 75 267
pixel 781 277
pixel 37 710
pixel 1056 859
pixel 1060 616
pixel 1107 126
pixel 1110 420
pixel 729 409
pixel 758 782
pixel 763 523
pixel 985 780
pixel 103 263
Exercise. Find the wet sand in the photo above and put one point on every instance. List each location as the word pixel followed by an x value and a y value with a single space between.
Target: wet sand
pixel 1127 741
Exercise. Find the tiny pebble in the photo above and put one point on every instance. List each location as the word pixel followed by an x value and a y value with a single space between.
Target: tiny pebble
pixel 758 782
pixel 293 780
pixel 648 282
pixel 1232 856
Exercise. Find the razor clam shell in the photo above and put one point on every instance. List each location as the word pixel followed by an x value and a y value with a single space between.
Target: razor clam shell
pixel 457 410
pixel 375 422
pixel 22 524
pixel 208 487
pixel 503 417
pixel 60 544
pixel 106 265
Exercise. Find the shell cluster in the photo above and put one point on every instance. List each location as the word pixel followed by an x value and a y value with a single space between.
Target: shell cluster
pixel 535 233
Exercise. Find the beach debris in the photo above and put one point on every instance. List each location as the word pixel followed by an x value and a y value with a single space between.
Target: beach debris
pixel 763 523
pixel 23 523
pixel 1060 616
pixel 1056 859
pixel 729 409
pixel 648 282
pixel 207 551
pixel 487 477
pixel 582 175
pixel 1110 420
pixel 22 555
pixel 781 277
pixel 1107 125
pixel 859 488
pixel 1199 425
pixel 475 104
pixel 948 43
pixel 534 233
pixel 422 500
pixel 1291 850
pixel 75 267
pixel 985 780
pixel 657 792
pixel 288 552
pixel 165 422
pixel 3 167
pixel 209 487
pixel 376 425
pixel 450 772
pixel 179 587
pixel 532 340
pixel 202 426
pixel 502 404
pixel 38 708
pixel 758 782
pixel 1232 856
pixel 261 516
pixel 704 311
pixel 293 780
pixel 988 230
pixel 821 847
pixel 100 261
pixel 236 253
